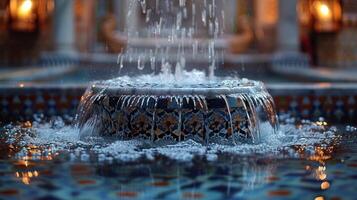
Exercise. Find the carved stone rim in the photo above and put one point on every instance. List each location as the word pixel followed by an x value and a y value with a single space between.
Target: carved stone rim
pixel 254 87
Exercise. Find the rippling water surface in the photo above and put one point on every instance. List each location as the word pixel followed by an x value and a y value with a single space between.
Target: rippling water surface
pixel 47 160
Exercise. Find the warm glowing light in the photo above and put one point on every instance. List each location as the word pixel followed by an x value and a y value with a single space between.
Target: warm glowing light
pixel 322 176
pixel 25 8
pixel 26 177
pixel 325 185
pixel 324 85
pixel 27 124
pixel 29 15
pixel 324 12
pixel 322 154
pixel 26 180
pixel 319 198
pixel 320 173
pixel 26 163
pixel 321 168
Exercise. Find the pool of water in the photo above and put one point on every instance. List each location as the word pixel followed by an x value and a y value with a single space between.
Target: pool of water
pixel 46 160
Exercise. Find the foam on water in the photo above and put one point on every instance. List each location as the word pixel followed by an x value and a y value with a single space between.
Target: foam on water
pixel 55 138
pixel 169 79
pixel 106 103
pixel 188 79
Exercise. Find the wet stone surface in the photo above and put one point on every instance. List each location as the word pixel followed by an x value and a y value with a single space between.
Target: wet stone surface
pixel 226 112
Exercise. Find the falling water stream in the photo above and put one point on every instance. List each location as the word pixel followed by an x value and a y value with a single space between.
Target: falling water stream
pixel 175 30
pixel 172 33
pixel 132 131
pixel 180 30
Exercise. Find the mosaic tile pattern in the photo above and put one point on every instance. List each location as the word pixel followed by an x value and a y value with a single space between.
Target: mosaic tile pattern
pixel 22 103
pixel 168 122
pixel 335 104
pixel 237 177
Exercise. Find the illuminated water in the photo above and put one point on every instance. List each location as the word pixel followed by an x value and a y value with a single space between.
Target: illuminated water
pixel 173 33
pixel 47 160
pixel 302 159
pixel 221 110
pixel 55 137
pixel 156 107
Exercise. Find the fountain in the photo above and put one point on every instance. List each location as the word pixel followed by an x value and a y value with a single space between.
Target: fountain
pixel 175 104
pixel 177 133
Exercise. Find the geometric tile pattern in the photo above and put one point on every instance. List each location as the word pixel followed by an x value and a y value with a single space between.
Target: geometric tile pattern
pixel 336 108
pixel 338 105
pixel 19 104
pixel 168 122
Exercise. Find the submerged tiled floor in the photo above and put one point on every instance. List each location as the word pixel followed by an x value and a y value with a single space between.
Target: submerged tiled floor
pixel 328 174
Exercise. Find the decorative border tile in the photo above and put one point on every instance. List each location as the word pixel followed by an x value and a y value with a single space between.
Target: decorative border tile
pixel 334 102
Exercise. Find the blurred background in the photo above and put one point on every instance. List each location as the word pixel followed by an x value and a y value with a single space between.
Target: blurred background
pixel 277 41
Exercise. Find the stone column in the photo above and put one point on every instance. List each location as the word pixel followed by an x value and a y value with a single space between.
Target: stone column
pixel 266 21
pixel 120 9
pixel 64 30
pixel 288 32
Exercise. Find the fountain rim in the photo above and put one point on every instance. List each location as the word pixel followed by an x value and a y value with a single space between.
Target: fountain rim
pixel 254 87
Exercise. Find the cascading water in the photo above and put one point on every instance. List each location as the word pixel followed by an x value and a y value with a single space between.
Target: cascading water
pixel 173 33
pixel 202 114
pixel 176 105
pixel 230 111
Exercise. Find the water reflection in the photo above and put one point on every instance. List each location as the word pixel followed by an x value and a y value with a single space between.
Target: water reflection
pixel 322 154
pixel 26 177
pixel 227 178
pixel 44 167
pixel 27 162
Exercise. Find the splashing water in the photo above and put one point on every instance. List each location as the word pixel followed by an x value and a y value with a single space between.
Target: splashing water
pixel 172 33
pixel 41 139
pixel 176 105
pixel 221 110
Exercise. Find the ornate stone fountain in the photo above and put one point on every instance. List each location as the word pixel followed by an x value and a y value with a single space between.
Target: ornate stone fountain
pixel 177 105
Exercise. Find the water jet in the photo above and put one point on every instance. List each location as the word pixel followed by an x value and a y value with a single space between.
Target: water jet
pixel 177 105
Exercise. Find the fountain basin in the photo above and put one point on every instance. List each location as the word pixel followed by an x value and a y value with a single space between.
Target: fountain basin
pixel 221 111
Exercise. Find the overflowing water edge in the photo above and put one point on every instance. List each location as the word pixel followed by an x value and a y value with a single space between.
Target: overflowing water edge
pixel 38 140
